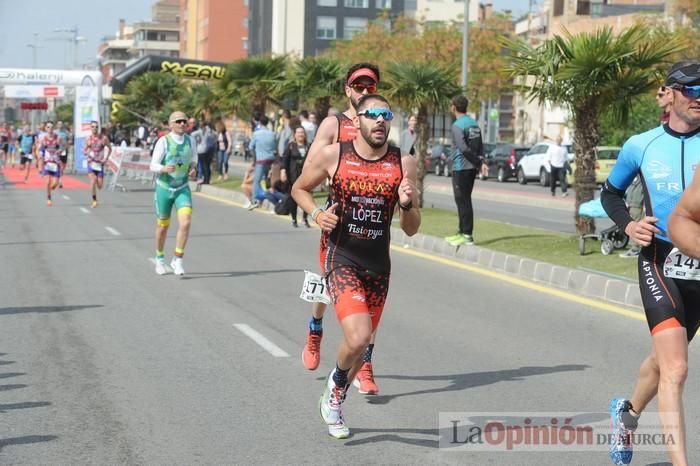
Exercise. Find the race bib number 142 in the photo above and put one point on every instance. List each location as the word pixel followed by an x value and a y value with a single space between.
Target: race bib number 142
pixel 678 265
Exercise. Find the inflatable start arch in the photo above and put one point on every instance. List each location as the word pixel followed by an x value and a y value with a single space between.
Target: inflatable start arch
pixel 192 69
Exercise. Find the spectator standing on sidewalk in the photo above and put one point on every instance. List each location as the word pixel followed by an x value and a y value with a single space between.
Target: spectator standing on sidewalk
pixel 292 162
pixel 407 140
pixel 264 146
pixel 309 126
pixel 663 100
pixel 223 143
pixel 285 133
pixel 557 157
pixel 197 135
pixel 210 145
pixel 466 158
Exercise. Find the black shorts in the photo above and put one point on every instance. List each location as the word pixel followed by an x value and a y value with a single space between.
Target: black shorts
pixel 5 147
pixel 24 159
pixel 63 159
pixel 668 302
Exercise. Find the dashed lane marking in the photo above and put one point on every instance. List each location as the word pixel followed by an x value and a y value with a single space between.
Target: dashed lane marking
pixel 258 338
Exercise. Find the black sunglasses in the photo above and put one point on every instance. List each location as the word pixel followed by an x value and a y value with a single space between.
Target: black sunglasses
pixel 180 122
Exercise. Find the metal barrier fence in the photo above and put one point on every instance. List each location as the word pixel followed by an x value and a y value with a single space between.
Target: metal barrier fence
pixel 129 163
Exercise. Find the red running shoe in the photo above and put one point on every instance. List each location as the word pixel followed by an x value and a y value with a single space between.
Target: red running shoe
pixel 311 356
pixel 365 380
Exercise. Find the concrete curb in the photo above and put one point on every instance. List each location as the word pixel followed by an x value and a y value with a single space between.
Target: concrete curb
pixel 589 284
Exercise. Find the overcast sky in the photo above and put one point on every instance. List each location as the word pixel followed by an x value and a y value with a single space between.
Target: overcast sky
pixel 20 19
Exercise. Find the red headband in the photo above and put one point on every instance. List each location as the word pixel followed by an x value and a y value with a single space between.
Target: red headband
pixel 362 72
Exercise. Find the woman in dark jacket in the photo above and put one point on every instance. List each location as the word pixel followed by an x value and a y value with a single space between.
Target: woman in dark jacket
pixel 292 163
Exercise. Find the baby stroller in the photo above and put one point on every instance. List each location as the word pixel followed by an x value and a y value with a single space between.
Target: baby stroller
pixel 610 239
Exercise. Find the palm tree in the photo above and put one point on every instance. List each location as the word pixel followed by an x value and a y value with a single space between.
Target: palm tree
pixel 151 97
pixel 201 100
pixel 589 74
pixel 315 81
pixel 424 88
pixel 259 80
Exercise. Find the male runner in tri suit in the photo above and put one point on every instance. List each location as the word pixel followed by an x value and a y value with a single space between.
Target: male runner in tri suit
pixel 361 79
pixel 50 150
pixel 174 159
pixel 26 143
pixel 94 149
pixel 369 178
pixel 664 158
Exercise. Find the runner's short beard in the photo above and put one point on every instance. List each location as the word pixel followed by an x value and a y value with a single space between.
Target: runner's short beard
pixel 367 135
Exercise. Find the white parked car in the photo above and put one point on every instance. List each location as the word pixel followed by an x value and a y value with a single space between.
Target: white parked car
pixel 534 165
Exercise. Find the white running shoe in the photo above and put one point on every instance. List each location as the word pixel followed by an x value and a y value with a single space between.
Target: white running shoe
pixel 160 267
pixel 339 430
pixel 176 265
pixel 247 205
pixel 331 401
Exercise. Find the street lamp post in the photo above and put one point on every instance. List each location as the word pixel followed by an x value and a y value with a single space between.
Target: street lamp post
pixel 465 44
pixel 34 46
pixel 75 40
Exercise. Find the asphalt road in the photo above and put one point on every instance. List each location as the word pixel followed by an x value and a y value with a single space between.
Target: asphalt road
pixel 104 362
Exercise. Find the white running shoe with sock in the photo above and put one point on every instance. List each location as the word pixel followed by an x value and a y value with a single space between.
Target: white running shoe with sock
pixel 160 266
pixel 176 265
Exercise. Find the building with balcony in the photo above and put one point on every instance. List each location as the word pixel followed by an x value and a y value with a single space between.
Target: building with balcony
pixel 534 122
pixel 308 27
pixel 588 15
pixel 214 30
pixel 161 35
pixel 113 52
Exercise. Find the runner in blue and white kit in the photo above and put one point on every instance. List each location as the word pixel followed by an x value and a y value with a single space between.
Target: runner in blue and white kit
pixel 665 159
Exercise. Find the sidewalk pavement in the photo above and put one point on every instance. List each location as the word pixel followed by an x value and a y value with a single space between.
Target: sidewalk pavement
pixel 583 282
pixel 484 190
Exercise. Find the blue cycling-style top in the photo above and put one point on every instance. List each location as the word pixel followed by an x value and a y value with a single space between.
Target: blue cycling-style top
pixel 666 161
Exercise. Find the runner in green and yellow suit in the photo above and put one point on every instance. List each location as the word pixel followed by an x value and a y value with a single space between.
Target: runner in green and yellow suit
pixel 175 160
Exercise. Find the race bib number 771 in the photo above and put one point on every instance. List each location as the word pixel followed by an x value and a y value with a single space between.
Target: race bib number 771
pixel 314 289
pixel 678 265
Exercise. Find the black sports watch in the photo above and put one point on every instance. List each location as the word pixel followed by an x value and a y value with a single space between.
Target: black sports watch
pixel 406 207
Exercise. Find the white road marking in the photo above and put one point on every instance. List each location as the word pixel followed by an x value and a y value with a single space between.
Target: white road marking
pixel 84 210
pixel 266 344
pixel 65 197
pixel 113 231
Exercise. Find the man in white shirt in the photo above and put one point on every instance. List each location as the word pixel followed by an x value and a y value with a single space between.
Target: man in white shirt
pixel 557 156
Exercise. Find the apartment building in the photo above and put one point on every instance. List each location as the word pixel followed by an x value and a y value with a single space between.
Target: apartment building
pixel 308 27
pixel 214 30
pixel 534 122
